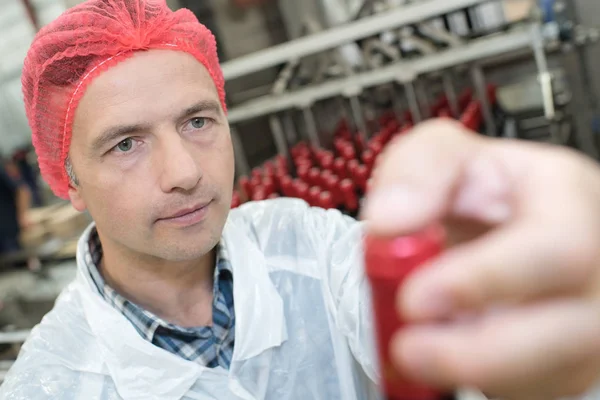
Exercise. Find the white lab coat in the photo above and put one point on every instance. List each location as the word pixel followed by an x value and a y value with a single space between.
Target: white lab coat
pixel 303 324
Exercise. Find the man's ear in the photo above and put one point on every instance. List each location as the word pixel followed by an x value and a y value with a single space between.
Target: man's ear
pixel 76 198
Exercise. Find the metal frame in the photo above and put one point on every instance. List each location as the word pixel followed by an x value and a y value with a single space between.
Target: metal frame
pixel 335 37
pixel 402 72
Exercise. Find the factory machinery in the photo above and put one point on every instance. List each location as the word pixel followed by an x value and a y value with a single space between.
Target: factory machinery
pixel 343 93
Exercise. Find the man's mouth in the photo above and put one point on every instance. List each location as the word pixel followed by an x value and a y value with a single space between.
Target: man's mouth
pixel 188 216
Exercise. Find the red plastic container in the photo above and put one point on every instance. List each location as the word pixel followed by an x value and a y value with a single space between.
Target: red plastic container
pixel 349 195
pixel 301 189
pixel 352 166
pixel 388 263
pixel 286 186
pixel 369 159
pixel 333 187
pixel 257 172
pixel 314 177
pixel 348 153
pixel 269 186
pixel 246 186
pixel 326 200
pixel 327 162
pixel 235 200
pixel 339 167
pixel 314 195
pixel 259 194
pixel 255 182
pixel 361 177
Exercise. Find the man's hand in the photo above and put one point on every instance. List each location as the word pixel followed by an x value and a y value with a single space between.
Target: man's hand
pixel 519 291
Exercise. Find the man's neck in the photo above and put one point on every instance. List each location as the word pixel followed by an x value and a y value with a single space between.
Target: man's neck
pixel 178 292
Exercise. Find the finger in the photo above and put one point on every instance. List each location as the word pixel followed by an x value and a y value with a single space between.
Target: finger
pixel 413 184
pixel 550 349
pixel 514 264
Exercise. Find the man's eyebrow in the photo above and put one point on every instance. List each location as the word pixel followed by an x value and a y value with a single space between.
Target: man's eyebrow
pixel 205 105
pixel 113 134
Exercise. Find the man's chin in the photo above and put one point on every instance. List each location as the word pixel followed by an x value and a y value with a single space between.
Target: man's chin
pixel 184 250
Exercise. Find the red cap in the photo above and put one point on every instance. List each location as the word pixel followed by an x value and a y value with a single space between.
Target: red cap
pixel 303 162
pixel 326 200
pixel 302 191
pixel 348 153
pixel 376 148
pixel 269 186
pixel 362 175
pixel 327 162
pixel 352 166
pixel 339 167
pixel 314 176
pixel 258 172
pixel 350 199
pixel 333 186
pixel 314 195
pixel 269 169
pixel 303 172
pixel 286 186
pixel 235 200
pixel 246 186
pixel 325 174
pixel 273 196
pixel 259 194
pixel 339 145
pixel 368 158
pixel 388 263
pixel 255 182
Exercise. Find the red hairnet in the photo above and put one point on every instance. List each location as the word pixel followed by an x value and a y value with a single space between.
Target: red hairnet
pixel 86 40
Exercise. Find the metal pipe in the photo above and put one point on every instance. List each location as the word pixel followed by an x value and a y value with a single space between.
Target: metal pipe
pixel 481 90
pixel 14 337
pixel 450 91
pixel 401 72
pixel 360 29
pixel 311 126
pixel 544 74
pixel 413 102
pixel 423 99
pixel 359 118
pixel 279 136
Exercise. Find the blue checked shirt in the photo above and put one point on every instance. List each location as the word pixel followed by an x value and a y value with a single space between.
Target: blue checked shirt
pixel 210 346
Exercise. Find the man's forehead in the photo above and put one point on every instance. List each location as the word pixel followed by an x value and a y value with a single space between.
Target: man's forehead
pixel 147 89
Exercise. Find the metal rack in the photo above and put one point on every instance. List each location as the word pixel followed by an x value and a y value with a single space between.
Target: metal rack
pixel 403 72
pixel 332 38
pixel 532 37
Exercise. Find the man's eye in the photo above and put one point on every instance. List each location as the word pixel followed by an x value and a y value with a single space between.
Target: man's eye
pixel 125 146
pixel 198 123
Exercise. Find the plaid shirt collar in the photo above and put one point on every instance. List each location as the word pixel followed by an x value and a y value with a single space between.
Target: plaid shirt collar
pixel 145 322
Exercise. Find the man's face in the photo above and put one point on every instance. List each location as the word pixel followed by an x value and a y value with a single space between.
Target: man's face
pixel 153 157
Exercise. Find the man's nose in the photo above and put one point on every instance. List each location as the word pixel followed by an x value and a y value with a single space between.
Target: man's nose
pixel 180 170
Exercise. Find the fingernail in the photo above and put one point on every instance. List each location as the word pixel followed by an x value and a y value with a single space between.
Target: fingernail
pixel 388 208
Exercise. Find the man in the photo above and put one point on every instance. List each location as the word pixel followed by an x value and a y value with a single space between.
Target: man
pixel 14 203
pixel 176 297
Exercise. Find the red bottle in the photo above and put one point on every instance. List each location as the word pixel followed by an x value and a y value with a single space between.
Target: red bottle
pixel 388 263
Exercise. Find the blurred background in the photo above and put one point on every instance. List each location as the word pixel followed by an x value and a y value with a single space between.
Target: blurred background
pixel 316 89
